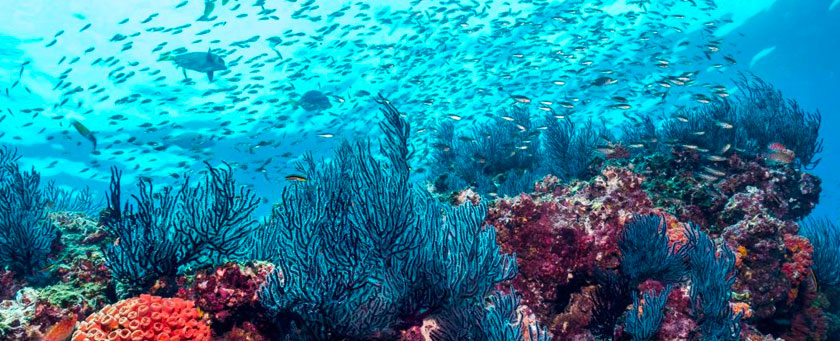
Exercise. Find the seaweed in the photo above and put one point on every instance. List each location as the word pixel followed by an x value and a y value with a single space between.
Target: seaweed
pixel 362 253
pixel 26 235
pixel 165 232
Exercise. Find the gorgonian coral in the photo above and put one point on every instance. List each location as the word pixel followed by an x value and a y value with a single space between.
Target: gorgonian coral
pixel 825 238
pixel 647 253
pixel 756 118
pixel 162 232
pixel 362 253
pixel 644 319
pixel 26 235
pixel 499 157
pixel 712 275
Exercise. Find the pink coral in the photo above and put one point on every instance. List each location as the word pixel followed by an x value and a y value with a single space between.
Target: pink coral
pixel 9 284
pixel 563 233
pixel 226 290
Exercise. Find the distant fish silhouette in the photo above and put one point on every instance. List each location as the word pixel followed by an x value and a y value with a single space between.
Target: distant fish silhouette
pixel 205 62
pixel 314 100
pixel 209 6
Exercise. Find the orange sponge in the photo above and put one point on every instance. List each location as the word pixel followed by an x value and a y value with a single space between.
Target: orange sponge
pixel 145 318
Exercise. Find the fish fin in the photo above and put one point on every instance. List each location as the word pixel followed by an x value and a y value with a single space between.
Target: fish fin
pixel 209 55
pixel 210 75
pixel 185 73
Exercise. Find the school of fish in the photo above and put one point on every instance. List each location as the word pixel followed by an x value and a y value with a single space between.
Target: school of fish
pixel 281 78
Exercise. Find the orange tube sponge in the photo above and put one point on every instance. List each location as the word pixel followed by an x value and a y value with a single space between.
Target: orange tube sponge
pixel 145 318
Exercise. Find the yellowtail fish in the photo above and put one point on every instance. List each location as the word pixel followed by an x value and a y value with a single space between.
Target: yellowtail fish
pixel 295 177
pixel 85 132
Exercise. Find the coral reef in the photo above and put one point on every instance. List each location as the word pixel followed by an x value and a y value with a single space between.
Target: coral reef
pixel 226 294
pixel 684 231
pixel 562 234
pixel 567 241
pixel 755 119
pixel 29 316
pixel 145 318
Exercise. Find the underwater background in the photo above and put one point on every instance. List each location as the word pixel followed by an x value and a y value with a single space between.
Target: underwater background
pixel 446 170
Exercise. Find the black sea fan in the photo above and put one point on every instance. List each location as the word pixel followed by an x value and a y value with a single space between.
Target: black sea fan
pixel 362 253
pixel 160 233
pixel 712 277
pixel 643 319
pixel 26 235
pixel 825 237
pixel 647 254
pixel 569 148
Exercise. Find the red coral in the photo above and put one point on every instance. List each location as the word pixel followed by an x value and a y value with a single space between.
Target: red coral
pixel 145 318
pixel 9 284
pixel 677 323
pixel 561 234
pixel 761 240
pixel 226 290
pixel 245 332
pixel 799 258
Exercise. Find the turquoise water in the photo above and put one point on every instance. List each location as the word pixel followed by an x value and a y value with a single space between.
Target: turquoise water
pixel 435 60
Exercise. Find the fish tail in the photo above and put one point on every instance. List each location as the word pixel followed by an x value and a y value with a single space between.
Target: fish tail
pixel 165 56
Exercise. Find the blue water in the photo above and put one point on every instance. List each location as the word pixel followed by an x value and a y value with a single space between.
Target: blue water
pixel 461 60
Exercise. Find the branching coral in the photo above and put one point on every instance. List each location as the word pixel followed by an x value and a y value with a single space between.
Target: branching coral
pixel 26 235
pixel 361 253
pixel 166 231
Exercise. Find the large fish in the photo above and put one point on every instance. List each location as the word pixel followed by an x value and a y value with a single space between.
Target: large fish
pixel 314 100
pixel 205 62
